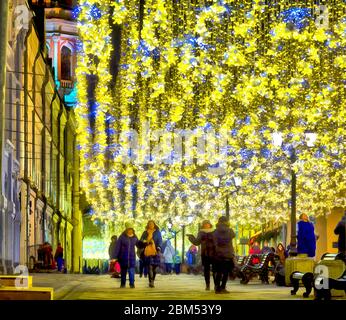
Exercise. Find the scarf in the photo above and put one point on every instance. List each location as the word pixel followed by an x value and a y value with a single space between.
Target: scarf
pixel 150 249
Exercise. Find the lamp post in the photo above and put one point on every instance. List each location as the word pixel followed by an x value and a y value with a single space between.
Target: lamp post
pixel 310 138
pixel 236 182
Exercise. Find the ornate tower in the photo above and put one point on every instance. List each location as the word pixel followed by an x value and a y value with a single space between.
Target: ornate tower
pixel 61 43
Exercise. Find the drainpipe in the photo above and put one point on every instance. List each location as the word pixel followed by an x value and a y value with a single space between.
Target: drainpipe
pixel 58 165
pixel 43 152
pixel 3 58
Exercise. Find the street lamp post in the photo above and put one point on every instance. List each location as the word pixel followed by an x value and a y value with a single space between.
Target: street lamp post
pixel 293 242
pixel 236 182
pixel 310 141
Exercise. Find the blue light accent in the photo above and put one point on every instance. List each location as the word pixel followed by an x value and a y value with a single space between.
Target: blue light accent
pixel 286 181
pixel 75 12
pixel 246 154
pixel 110 131
pixel 170 126
pixel 337 165
pixel 265 153
pixel 298 17
pixel 162 173
pixel 182 179
pixel 318 154
pixel 95 13
pixel 105 181
pixel 208 126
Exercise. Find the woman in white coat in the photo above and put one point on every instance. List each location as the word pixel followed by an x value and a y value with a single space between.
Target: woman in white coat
pixel 169 254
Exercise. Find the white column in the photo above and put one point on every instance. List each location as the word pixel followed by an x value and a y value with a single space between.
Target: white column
pixel 55 57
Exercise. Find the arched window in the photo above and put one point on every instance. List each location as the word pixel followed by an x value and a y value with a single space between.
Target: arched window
pixel 66 63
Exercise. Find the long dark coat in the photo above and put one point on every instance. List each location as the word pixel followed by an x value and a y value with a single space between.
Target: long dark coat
pixel 222 237
pixel 306 238
pixel 340 230
pixel 206 240
pixel 125 250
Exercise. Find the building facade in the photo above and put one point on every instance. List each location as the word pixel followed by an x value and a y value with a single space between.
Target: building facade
pixel 41 161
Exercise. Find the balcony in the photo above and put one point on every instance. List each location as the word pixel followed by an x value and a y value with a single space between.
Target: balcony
pixel 66 84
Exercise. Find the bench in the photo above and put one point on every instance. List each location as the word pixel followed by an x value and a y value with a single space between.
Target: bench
pixel 333 257
pixel 34 293
pixel 323 286
pixel 306 278
pixel 10 281
pixel 239 262
pixel 247 271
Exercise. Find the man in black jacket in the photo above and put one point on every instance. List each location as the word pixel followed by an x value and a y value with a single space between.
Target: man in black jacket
pixel 224 254
pixel 340 230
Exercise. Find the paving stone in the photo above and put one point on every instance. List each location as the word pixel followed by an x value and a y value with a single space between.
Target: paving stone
pixel 167 287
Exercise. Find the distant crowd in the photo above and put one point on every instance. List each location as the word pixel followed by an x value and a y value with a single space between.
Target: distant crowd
pixel 216 254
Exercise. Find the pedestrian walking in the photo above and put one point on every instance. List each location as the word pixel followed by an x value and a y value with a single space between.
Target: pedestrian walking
pixel 224 254
pixel 111 248
pixel 114 267
pixel 306 236
pixel 143 269
pixel 169 254
pixel 125 253
pixel 205 240
pixel 177 262
pixel 340 230
pixel 152 240
pixel 59 257
pixel 191 259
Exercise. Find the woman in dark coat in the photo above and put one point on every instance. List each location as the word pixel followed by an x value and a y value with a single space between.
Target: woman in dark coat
pixel 111 248
pixel 125 253
pixel 152 240
pixel 306 236
pixel 340 230
pixel 224 254
pixel 205 239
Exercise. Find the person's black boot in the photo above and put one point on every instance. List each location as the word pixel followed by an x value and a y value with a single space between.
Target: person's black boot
pixel 207 287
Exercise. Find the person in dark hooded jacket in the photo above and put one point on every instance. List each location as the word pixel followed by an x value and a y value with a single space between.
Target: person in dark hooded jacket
pixel 125 253
pixel 340 230
pixel 205 239
pixel 224 254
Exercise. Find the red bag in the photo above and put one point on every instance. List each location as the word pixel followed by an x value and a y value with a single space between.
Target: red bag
pixel 117 268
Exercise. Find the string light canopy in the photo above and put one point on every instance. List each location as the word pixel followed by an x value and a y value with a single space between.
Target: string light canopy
pixel 228 74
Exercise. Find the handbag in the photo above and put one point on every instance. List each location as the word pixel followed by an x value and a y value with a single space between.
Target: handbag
pixel 150 249
pixel 117 267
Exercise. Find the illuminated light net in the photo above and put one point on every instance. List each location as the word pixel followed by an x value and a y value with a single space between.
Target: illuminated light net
pixel 246 69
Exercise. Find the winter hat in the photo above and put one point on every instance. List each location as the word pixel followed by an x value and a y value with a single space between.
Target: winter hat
pixel 204 222
pixel 129 225
pixel 223 220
